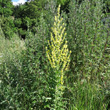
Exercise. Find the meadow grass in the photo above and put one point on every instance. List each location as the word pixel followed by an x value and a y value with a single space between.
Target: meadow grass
pixel 11 48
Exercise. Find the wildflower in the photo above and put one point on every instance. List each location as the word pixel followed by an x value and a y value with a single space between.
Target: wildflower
pixel 58 53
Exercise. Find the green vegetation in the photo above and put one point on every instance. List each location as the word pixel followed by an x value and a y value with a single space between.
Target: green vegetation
pixel 6 8
pixel 62 62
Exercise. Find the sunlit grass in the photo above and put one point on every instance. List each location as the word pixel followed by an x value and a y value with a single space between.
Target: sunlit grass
pixel 10 48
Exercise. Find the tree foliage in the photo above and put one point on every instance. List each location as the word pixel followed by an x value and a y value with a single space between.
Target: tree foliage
pixel 6 8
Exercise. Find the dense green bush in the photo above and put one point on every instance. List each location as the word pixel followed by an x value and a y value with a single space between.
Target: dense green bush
pixel 6 8
pixel 88 41
pixel 8 27
pixel 87 38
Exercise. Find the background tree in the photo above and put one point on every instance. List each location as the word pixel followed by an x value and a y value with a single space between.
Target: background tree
pixel 29 13
pixel 6 7
pixel 107 2
pixel 7 24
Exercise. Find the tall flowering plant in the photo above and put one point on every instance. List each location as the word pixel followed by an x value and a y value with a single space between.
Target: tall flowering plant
pixel 58 53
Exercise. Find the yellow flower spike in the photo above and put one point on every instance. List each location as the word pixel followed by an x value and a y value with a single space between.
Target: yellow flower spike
pixel 55 18
pixel 61 77
pixel 58 53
